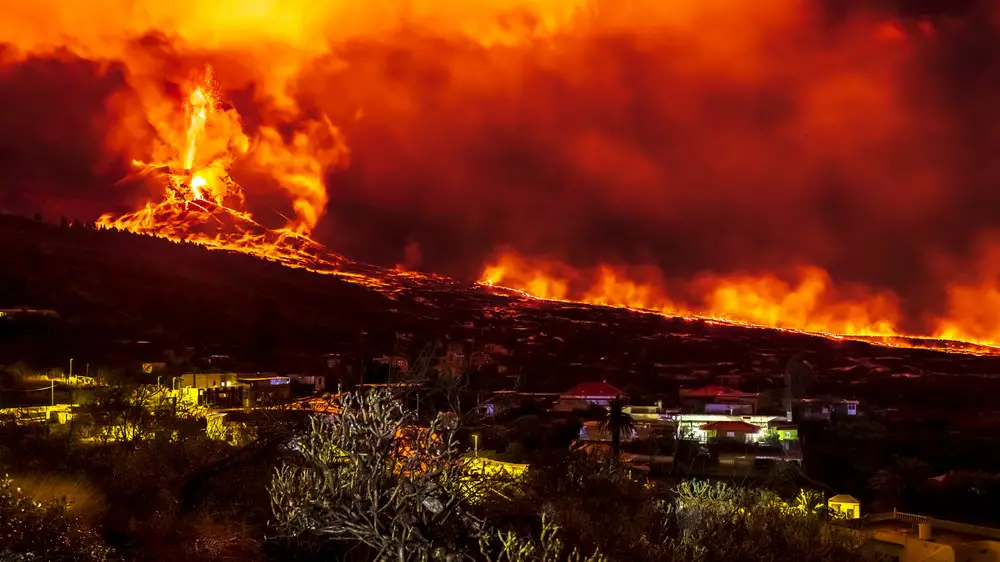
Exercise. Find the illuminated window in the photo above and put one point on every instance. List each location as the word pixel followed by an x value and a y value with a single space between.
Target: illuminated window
pixel 730 434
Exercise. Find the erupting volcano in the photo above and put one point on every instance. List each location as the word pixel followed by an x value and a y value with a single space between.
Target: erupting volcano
pixel 814 167
pixel 193 182
pixel 202 203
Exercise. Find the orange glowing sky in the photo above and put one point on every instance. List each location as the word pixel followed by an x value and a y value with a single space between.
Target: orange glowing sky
pixel 772 163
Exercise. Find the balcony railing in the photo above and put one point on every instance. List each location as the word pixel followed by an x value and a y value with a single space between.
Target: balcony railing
pixel 914 520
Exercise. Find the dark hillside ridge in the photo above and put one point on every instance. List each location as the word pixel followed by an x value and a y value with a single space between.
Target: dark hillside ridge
pixel 111 287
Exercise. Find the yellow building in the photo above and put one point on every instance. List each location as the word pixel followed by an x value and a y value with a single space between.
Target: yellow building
pixel 845 504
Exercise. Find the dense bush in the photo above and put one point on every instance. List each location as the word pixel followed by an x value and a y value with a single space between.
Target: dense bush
pixel 375 482
pixel 30 530
pixel 370 477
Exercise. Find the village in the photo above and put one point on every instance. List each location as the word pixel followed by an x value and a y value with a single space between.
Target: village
pixel 714 430
pixel 719 414
pixel 789 421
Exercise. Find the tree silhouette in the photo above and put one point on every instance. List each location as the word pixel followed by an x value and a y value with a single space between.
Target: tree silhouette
pixel 898 484
pixel 798 377
pixel 616 422
pixel 371 476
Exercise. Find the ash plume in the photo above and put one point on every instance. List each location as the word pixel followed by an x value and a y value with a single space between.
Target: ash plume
pixel 672 140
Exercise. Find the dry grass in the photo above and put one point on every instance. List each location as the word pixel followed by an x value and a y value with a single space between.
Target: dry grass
pixel 84 499
pixel 218 541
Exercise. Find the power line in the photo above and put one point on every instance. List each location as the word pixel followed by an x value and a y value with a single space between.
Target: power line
pixel 51 388
pixel 28 389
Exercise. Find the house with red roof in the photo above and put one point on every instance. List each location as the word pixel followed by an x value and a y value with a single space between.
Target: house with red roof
pixel 587 394
pixel 689 426
pixel 715 399
pixel 735 429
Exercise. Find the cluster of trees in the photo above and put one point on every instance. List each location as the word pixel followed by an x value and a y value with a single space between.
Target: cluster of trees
pixel 374 482
pixel 141 480
pixel 909 484
pixel 934 469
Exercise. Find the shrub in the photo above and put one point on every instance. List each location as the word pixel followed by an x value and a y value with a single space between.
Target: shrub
pixel 31 530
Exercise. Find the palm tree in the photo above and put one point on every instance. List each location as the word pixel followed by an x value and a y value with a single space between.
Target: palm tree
pixel 616 422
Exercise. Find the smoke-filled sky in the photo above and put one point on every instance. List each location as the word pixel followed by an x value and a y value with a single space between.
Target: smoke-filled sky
pixel 692 136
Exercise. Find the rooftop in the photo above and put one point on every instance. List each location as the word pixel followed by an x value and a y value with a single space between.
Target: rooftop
pixel 844 498
pixel 714 391
pixel 593 390
pixel 733 426
pixel 827 400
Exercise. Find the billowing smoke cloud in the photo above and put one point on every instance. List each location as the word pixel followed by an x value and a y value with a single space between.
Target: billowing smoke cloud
pixel 52 154
pixel 731 140
pixel 693 136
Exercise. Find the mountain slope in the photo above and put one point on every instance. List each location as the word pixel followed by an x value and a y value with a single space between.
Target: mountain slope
pixel 110 286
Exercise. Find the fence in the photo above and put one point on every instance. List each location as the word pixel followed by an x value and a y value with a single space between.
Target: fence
pixel 911 519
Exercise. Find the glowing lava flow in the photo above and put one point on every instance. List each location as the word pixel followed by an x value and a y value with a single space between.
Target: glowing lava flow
pixel 203 204
pixel 811 306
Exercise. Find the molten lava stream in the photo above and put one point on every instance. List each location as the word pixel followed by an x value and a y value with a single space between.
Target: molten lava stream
pixel 808 307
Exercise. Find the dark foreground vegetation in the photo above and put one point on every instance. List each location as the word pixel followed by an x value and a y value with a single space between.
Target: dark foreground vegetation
pixel 377 483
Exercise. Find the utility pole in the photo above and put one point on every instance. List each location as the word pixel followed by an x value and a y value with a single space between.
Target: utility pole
pixel 52 390
pixel 70 367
